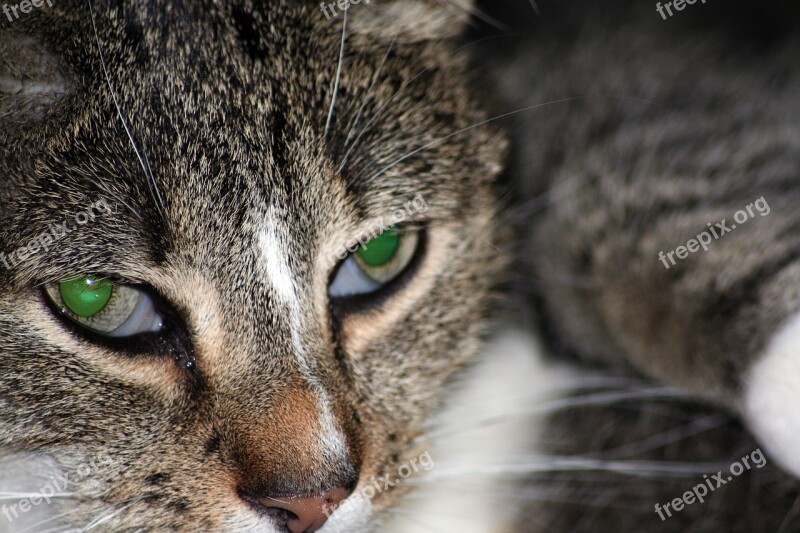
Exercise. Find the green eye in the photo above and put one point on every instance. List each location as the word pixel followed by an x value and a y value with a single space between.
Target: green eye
pixel 375 263
pixel 104 307
pixel 86 296
pixel 381 249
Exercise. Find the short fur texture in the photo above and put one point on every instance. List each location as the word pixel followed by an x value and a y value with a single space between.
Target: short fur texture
pixel 236 185
pixel 244 144
pixel 640 132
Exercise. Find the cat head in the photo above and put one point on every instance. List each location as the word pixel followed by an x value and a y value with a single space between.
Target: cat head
pixel 245 247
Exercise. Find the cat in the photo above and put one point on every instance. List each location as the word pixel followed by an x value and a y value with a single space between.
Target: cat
pixel 201 359
pixel 632 137
pixel 239 376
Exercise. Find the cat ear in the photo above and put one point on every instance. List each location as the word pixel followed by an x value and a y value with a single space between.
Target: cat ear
pixel 31 80
pixel 407 20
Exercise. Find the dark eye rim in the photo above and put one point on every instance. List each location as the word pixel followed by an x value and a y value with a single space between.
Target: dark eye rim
pixel 342 306
pixel 173 338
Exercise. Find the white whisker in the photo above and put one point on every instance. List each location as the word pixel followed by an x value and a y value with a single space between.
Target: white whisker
pixel 369 91
pixel 55 518
pixel 105 517
pixel 11 496
pixel 545 463
pixel 603 398
pixel 375 116
pixel 114 196
pixel 391 99
pixel 476 125
pixel 147 171
pixel 338 75
pixel 463 130
pixel 660 440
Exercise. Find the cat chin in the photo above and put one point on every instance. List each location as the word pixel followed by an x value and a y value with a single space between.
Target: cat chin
pixel 772 397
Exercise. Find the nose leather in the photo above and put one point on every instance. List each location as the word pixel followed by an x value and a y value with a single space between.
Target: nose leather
pixel 310 512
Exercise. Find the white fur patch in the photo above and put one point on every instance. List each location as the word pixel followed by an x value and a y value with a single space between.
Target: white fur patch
pixel 461 492
pixel 331 443
pixel 273 255
pixel 772 397
pixel 250 521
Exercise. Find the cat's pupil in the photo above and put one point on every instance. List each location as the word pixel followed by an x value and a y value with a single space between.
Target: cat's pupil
pixel 86 295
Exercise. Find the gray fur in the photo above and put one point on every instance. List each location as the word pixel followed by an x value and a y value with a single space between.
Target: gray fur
pixel 225 104
pixel 207 124
pixel 646 131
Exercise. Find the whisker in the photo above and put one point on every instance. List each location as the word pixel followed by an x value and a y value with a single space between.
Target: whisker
pixel 338 75
pixel 54 518
pixel 147 171
pixel 108 515
pixel 375 116
pixel 789 515
pixel 546 199
pixel 603 398
pixel 463 130
pixel 115 196
pixel 391 99
pixel 11 496
pixel 660 440
pixel 590 381
pixel 482 123
pixel 369 90
pixel 599 381
pixel 511 491
pixel 544 463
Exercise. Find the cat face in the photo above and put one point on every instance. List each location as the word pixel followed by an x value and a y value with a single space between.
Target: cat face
pixel 224 159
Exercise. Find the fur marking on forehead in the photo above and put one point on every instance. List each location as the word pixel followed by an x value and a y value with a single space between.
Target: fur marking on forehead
pixel 274 253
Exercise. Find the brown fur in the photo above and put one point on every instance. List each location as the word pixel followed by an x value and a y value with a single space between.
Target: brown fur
pixel 228 102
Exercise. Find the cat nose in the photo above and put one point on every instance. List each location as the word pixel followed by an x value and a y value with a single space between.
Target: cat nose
pixel 307 513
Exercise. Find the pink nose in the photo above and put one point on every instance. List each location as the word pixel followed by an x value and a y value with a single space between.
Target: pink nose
pixel 307 513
